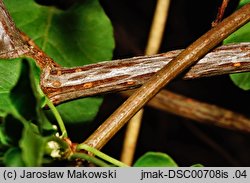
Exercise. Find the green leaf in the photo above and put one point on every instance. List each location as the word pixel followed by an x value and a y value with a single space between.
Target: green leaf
pixel 9 74
pixel 155 159
pixel 81 110
pixel 45 126
pixel 243 2
pixel 32 145
pixel 22 96
pixel 12 128
pixel 5 104
pixel 241 35
pixel 242 80
pixel 80 35
pixel 3 137
pixel 13 158
pixel 197 165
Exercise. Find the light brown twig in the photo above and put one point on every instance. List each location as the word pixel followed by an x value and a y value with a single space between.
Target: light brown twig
pixel 153 45
pixel 220 13
pixel 198 111
pixel 184 60
pixel 157 27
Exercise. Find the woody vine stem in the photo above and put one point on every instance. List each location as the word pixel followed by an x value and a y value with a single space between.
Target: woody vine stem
pixel 185 59
pixel 18 44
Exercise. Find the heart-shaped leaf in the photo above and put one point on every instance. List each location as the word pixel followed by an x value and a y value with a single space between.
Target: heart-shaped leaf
pixel 80 35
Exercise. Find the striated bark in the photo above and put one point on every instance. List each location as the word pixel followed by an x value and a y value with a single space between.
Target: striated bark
pixel 199 111
pixel 184 60
pixel 62 84
pixel 11 43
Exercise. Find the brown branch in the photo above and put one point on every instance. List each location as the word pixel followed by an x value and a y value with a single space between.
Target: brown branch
pixel 153 44
pixel 62 84
pixel 225 59
pixel 131 136
pixel 11 43
pixel 40 57
pixel 157 27
pixel 198 111
pixel 14 44
pixel 221 12
pixel 212 143
pixel 184 60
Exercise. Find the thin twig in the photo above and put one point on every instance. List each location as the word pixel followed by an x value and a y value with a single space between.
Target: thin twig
pixel 92 159
pixel 58 117
pixel 62 84
pixel 198 111
pixel 101 155
pixel 201 135
pixel 153 45
pixel 16 46
pixel 184 60
pixel 157 27
pixel 221 12
pixel 131 136
pixel 41 58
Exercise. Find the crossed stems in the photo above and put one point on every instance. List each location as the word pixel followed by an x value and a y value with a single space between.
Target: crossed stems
pixel 63 84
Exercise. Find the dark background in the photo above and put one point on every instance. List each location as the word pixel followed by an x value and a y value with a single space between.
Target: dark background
pixel 186 141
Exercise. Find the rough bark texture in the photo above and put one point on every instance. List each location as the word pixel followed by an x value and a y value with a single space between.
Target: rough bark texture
pixel 62 84
pixel 11 43
pixel 199 111
pixel 184 60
